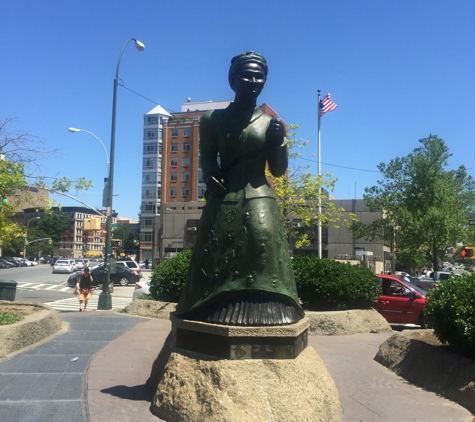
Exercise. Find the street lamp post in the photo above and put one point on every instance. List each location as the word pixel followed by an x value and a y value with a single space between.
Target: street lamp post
pixel 105 301
pixel 75 130
pixel 26 233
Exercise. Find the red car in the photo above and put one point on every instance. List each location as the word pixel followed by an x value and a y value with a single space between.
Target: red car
pixel 401 302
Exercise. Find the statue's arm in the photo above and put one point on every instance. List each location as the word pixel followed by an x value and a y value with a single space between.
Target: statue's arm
pixel 208 146
pixel 209 154
pixel 278 157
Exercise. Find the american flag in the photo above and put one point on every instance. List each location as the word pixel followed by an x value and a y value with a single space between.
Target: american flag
pixel 326 105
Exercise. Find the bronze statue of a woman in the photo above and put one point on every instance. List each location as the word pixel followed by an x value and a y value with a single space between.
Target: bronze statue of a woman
pixel 240 271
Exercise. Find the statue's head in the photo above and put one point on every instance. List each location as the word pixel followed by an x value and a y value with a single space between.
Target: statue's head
pixel 248 71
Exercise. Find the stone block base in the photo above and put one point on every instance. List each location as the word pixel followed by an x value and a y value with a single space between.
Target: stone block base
pixel 240 342
pixel 196 387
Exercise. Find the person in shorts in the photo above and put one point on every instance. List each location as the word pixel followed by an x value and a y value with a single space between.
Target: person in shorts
pixel 85 282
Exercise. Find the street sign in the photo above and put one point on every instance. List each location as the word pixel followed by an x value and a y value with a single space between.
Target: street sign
pixel 471 222
pixel 115 225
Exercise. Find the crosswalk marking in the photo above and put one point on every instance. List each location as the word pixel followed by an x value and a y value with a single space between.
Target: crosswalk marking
pixel 56 287
pixel 72 304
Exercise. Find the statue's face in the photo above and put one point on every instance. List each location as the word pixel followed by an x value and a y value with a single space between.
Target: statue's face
pixel 250 80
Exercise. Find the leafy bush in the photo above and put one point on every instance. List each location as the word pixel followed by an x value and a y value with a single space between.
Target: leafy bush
pixel 323 284
pixel 9 318
pixel 168 278
pixel 450 311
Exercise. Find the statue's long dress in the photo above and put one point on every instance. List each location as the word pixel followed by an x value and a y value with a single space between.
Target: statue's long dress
pixel 240 271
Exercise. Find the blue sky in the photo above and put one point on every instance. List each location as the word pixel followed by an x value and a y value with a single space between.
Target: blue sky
pixel 398 70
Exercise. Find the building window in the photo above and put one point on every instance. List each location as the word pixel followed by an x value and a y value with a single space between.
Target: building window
pixel 146 222
pixel 149 178
pixel 201 192
pixel 186 161
pixel 148 193
pixel 172 192
pixel 150 148
pixel 151 120
pixel 173 162
pixel 159 192
pixel 148 207
pixel 173 176
pixel 186 132
pixel 150 134
pixel 186 146
pixel 174 147
pixel 185 176
pixel 200 176
pixel 146 237
pixel 185 190
pixel 149 163
pixel 174 132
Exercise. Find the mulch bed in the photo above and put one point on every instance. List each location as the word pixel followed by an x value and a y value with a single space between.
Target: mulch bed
pixel 22 310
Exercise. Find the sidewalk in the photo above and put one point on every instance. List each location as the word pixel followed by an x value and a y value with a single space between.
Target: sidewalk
pixel 115 353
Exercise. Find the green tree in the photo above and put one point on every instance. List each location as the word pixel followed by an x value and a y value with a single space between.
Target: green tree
pixel 20 157
pixel 423 204
pixel 298 196
pixel 12 179
pixel 53 225
pixel 126 238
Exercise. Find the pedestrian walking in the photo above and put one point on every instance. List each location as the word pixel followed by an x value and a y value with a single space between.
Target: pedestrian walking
pixel 84 282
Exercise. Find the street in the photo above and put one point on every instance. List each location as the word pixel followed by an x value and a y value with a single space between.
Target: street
pixel 39 284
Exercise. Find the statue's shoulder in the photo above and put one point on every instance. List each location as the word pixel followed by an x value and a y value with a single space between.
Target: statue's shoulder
pixel 213 118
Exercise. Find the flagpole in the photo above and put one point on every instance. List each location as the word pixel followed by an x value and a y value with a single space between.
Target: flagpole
pixel 319 235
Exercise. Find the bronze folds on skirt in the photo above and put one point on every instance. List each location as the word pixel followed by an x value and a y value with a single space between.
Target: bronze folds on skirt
pixel 240 271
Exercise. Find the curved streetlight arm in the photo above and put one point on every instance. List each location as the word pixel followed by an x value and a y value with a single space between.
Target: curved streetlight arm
pixel 138 45
pixel 75 130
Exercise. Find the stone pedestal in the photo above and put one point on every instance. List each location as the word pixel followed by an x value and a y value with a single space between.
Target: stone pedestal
pixel 241 374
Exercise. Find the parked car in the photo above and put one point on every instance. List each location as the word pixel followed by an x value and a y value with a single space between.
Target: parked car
pixel 400 301
pixel 81 263
pixel 12 261
pixel 27 262
pixel 132 264
pixel 141 287
pixel 64 266
pixel 431 281
pixel 6 264
pixel 123 276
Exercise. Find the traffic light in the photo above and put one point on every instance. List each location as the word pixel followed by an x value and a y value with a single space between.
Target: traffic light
pixel 467 253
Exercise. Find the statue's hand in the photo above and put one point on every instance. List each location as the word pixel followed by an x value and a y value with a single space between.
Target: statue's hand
pixel 275 132
pixel 215 183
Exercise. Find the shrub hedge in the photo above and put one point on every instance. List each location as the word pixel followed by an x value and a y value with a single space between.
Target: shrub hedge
pixel 450 311
pixel 324 284
pixel 168 278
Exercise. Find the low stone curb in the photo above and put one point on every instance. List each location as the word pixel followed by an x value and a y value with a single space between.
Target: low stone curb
pixel 30 330
pixel 334 323
pixel 448 374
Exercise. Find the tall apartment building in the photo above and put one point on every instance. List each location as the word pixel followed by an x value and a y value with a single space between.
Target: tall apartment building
pixel 171 165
